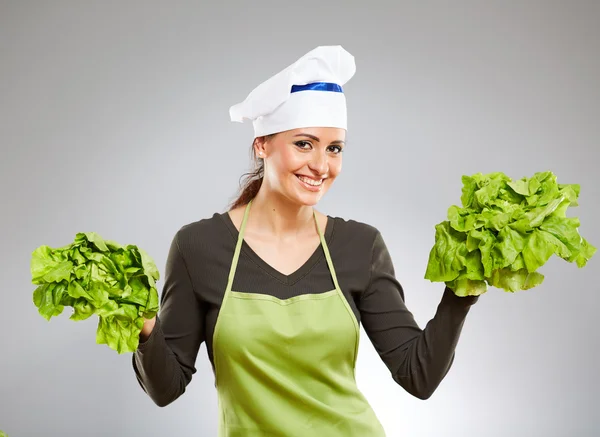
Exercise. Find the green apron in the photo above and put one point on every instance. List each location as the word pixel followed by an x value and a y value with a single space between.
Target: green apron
pixel 286 368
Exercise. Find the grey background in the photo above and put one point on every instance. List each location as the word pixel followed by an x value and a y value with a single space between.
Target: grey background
pixel 114 119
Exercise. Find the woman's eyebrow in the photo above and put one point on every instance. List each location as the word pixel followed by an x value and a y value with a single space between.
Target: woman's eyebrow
pixel 317 138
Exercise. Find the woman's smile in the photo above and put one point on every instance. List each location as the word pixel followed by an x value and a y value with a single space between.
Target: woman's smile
pixel 310 184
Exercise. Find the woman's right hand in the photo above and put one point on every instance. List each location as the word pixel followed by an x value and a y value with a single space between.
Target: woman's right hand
pixel 147 329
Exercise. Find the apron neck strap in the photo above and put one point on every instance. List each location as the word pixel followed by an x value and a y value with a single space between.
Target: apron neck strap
pixel 326 250
pixel 238 247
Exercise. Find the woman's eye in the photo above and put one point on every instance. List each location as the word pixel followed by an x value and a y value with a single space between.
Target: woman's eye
pixel 306 145
pixel 302 144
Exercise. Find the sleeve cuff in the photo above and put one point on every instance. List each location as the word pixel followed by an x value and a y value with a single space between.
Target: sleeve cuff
pixel 451 298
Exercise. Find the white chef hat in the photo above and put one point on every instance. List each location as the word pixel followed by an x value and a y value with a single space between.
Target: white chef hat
pixel 307 93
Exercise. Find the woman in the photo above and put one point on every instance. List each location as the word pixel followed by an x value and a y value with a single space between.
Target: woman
pixel 277 290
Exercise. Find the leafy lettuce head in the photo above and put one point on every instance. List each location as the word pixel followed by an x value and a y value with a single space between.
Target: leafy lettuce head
pixel 95 276
pixel 504 232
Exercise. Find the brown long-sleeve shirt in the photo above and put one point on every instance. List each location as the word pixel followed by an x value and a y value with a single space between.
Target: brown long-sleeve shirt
pixel 195 279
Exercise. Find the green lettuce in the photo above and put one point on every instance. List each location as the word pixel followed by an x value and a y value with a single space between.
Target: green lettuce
pixel 504 232
pixel 98 277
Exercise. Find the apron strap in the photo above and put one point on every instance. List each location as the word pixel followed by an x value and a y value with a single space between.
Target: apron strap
pixel 238 247
pixel 326 250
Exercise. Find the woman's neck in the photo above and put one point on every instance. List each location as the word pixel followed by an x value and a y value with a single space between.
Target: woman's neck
pixel 278 216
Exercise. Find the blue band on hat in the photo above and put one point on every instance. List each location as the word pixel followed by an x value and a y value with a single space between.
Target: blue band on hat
pixel 318 86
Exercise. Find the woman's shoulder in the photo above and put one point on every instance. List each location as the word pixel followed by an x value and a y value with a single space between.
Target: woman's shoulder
pixel 207 231
pixel 354 230
pixel 204 224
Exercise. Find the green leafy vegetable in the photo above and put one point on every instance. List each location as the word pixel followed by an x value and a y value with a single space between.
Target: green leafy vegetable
pixel 96 276
pixel 504 232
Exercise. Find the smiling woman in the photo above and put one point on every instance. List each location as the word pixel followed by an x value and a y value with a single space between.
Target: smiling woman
pixel 301 164
pixel 278 290
pixel 309 141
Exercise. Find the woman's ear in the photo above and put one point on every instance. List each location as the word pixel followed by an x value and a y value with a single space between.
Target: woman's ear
pixel 260 146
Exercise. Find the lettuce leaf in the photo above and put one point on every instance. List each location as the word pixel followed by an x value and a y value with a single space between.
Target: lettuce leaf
pixel 504 232
pixel 99 277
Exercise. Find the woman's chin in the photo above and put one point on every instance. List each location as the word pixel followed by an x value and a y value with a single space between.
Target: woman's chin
pixel 308 199
pixel 304 197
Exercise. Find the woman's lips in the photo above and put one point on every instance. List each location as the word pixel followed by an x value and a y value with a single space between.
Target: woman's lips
pixel 310 187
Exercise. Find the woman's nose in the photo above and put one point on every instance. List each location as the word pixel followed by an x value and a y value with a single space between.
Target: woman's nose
pixel 319 163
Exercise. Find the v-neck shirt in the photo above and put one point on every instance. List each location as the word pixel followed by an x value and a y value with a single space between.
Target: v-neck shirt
pixel 289 279
pixel 195 279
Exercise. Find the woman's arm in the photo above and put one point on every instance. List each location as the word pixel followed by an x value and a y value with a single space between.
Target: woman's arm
pixel 417 358
pixel 165 359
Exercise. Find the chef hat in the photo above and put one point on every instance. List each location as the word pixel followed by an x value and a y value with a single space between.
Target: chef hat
pixel 307 93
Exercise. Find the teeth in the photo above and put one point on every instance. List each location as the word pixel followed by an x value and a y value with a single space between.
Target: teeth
pixel 311 181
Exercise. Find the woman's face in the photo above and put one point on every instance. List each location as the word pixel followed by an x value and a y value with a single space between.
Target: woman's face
pixel 301 164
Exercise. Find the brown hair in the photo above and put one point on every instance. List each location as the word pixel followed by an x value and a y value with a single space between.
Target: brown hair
pixel 252 180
